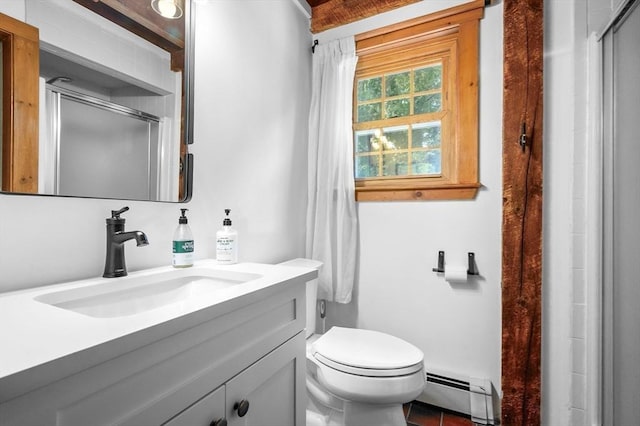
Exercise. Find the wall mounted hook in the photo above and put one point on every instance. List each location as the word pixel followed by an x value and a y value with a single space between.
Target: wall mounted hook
pixel 523 136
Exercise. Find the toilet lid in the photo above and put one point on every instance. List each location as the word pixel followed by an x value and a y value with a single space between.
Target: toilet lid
pixel 367 349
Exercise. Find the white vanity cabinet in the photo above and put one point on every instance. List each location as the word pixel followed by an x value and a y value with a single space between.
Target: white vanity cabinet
pixel 192 370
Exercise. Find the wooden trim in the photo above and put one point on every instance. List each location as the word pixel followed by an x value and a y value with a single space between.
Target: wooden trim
pixel 20 100
pixel 417 27
pixel 433 192
pixel 419 51
pixel 522 212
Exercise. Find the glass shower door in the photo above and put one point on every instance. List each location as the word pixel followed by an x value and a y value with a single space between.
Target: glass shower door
pixel 105 152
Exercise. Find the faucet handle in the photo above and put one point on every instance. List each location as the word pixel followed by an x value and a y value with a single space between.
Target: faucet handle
pixel 115 214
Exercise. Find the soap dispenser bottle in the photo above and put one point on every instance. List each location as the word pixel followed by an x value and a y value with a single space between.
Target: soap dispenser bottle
pixel 227 243
pixel 183 243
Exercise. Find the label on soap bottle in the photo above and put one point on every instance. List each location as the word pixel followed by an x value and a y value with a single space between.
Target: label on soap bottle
pixel 183 253
pixel 226 249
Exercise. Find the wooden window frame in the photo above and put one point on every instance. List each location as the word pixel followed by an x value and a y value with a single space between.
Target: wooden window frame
pixel 453 32
pixel 20 100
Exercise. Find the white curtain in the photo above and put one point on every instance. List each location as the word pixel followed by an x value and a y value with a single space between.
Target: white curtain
pixel 331 210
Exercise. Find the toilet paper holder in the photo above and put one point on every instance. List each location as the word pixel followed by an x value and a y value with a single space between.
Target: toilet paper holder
pixel 471 269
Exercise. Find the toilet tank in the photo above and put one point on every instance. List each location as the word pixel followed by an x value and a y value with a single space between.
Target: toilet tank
pixel 312 292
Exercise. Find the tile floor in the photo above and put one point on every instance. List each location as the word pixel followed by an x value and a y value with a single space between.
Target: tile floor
pixel 420 414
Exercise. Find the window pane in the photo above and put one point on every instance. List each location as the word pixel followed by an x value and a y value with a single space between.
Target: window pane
pixel 398 84
pixel 369 112
pixel 426 135
pixel 395 138
pixel 427 103
pixel 395 164
pixel 369 89
pixel 426 162
pixel 397 108
pixel 366 166
pixel 364 139
pixel 429 78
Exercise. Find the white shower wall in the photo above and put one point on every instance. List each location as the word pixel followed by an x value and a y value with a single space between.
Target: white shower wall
pixel 570 383
pixel 592 17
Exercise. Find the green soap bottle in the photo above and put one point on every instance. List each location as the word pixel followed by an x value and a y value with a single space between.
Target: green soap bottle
pixel 183 243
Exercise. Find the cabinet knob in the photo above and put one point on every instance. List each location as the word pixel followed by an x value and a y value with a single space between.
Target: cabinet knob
pixel 242 407
pixel 219 422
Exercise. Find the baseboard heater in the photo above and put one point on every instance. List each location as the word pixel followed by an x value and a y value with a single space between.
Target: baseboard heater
pixel 472 396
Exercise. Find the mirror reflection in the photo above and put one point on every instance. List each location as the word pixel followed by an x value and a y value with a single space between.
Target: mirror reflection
pixel 109 103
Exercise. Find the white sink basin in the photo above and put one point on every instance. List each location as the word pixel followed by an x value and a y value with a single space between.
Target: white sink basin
pixel 98 319
pixel 120 297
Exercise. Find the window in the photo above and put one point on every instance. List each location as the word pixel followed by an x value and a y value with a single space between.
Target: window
pixel 415 117
pixel 398 127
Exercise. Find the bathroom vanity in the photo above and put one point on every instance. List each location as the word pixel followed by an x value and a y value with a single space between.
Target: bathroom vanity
pixel 159 347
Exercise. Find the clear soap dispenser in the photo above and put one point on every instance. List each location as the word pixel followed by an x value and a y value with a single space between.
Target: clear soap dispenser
pixel 183 243
pixel 227 242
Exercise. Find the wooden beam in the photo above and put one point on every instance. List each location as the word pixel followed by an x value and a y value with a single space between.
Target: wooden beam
pixel 334 13
pixel 522 212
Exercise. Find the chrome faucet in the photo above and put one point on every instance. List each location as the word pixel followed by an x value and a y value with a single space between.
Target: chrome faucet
pixel 114 265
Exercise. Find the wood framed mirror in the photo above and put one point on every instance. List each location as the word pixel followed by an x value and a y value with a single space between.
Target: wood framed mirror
pixel 117 61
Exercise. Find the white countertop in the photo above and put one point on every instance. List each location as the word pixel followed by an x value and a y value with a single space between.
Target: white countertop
pixel 35 333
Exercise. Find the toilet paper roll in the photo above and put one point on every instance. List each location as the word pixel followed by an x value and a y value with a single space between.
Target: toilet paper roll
pixel 455 274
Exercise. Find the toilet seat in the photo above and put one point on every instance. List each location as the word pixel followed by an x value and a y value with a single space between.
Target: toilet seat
pixel 368 372
pixel 367 353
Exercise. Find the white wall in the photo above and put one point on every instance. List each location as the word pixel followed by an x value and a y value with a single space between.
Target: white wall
pixel 458 327
pixel 253 90
pixel 252 97
pixel 15 9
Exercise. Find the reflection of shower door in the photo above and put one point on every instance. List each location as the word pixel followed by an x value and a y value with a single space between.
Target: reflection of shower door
pixel 104 150
pixel 621 292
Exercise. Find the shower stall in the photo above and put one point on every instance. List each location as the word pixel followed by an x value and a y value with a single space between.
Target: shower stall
pixel 97 148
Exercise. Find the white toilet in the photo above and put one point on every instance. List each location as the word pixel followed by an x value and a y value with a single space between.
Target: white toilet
pixel 357 377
